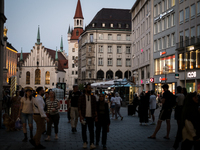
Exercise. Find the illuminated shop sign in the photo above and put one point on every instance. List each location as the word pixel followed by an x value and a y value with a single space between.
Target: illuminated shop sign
pixel 192 74
pixel 191 48
pixel 152 80
pixel 162 53
pixel 163 14
pixel 162 79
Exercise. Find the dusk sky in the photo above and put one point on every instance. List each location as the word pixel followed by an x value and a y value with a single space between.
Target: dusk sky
pixel 53 17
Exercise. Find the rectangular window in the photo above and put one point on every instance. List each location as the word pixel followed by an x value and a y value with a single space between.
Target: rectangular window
pixel 159 12
pixel 73 49
pixel 198 8
pixel 100 48
pixel 155 28
pixel 119 49
pixel 128 37
pixel 109 49
pixel 193 35
pixel 192 11
pixel 187 13
pixel 198 33
pixel 163 43
pixel 168 41
pixel 163 5
pixel 73 65
pixel 89 74
pixel 187 37
pixel 128 49
pixel 173 39
pixel 103 24
pixel 159 44
pixel 91 38
pixel 155 8
pixel 73 57
pixel 168 21
pixel 160 8
pixel 100 61
pixel 72 72
pixel 89 61
pixel 159 26
pixel 181 16
pixel 119 61
pixel 167 4
pixel 173 2
pixel 155 46
pixel 89 48
pixel 181 38
pixel 109 36
pixel 109 61
pixel 128 62
pixel 118 37
pixel 111 25
pixel 100 36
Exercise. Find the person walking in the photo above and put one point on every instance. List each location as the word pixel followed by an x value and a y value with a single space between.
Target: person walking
pixel 26 112
pixel 152 106
pixel 143 108
pixel 190 123
pixel 88 114
pixel 165 113
pixel 15 107
pixel 73 97
pixel 39 117
pixel 53 106
pixel 135 104
pixel 103 120
pixel 118 101
pixel 112 107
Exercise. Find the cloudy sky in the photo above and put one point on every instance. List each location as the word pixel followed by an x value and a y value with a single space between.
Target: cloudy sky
pixel 53 17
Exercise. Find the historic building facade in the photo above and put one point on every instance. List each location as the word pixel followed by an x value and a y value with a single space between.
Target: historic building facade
pixel 142 44
pixel 42 67
pixel 105 47
pixel 73 36
pixel 10 61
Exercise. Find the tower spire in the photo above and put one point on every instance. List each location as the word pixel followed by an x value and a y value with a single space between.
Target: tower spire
pixel 69 31
pixel 61 44
pixel 56 56
pixel 38 35
pixel 78 13
pixel 21 56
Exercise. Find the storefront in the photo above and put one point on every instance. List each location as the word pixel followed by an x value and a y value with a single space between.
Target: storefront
pixel 158 87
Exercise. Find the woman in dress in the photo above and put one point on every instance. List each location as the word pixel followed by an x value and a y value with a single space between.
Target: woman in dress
pixel 15 106
pixel 53 106
pixel 103 120
pixel 26 110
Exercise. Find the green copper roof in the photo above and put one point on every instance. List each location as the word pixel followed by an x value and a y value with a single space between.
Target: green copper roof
pixel 21 56
pixel 38 35
pixel 56 56
pixel 61 44
pixel 69 30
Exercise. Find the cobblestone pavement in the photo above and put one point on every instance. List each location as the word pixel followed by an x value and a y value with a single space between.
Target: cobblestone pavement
pixel 124 135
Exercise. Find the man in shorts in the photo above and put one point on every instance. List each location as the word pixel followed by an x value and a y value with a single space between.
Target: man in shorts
pixel 152 106
pixel 165 113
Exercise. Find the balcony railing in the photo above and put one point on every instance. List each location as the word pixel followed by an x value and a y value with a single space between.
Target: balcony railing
pixel 188 42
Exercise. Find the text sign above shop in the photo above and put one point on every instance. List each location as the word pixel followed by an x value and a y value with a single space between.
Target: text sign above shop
pixel 192 74
pixel 162 79
pixel 176 76
pixel 163 14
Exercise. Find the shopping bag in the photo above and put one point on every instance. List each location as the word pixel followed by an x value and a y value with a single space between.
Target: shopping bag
pixel 18 124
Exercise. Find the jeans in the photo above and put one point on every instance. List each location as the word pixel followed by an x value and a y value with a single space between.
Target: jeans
pixel 101 124
pixel 74 116
pixel 90 124
pixel 55 120
pixel 117 109
pixel 40 124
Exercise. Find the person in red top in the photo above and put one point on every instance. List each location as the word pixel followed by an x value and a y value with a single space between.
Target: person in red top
pixel 88 114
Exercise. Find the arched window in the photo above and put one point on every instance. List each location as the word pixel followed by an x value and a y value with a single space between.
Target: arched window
pixel 80 22
pixel 127 74
pixel 118 74
pixel 27 77
pixel 47 77
pixel 109 74
pixel 77 22
pixel 37 76
pixel 100 74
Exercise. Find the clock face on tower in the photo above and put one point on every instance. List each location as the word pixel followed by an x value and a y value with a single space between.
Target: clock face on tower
pixel 76 45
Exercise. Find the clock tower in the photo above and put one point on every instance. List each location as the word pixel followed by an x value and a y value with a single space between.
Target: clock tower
pixel 73 36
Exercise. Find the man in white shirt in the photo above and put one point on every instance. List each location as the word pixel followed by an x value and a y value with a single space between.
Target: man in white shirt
pixel 152 105
pixel 39 117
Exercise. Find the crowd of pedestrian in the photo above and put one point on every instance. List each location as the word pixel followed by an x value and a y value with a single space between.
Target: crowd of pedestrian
pixel 94 112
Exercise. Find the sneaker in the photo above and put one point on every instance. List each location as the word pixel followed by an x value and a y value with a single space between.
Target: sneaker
pixel 146 124
pixel 122 118
pixel 85 145
pixel 48 139
pixel 153 123
pixel 92 146
pixel 25 140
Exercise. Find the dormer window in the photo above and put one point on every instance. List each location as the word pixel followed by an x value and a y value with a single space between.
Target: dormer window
pixel 111 25
pixel 93 25
pixel 119 25
pixel 103 24
pixel 127 26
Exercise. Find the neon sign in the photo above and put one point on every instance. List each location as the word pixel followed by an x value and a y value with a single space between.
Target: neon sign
pixel 192 74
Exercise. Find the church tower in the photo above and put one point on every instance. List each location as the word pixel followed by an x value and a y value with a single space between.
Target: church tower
pixel 73 36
